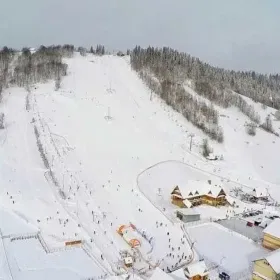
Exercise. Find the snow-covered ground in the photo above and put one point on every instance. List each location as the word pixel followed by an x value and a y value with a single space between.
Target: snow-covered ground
pixel 231 251
pixel 28 260
pixel 95 160
pixel 99 134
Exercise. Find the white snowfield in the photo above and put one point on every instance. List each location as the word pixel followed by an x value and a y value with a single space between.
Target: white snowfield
pixel 98 132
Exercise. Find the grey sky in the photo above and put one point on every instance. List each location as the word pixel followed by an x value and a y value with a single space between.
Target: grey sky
pixel 239 34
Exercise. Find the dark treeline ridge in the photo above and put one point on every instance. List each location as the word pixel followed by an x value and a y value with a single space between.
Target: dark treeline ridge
pixel 26 67
pixel 222 87
pixel 164 74
pixel 209 80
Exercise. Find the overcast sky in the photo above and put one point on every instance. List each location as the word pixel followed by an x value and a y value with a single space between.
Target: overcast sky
pixel 239 34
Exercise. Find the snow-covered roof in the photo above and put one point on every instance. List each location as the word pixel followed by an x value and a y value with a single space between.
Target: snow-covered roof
pixel 230 200
pixel 197 268
pixel 160 275
pixel 265 222
pixel 188 211
pixel 197 188
pixel 212 156
pixel 128 260
pixel 187 203
pixel 274 260
pixel 273 228
pixel 259 192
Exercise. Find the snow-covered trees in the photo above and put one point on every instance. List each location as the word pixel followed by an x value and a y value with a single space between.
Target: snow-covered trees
pixel 163 74
pixel 251 128
pixel 82 51
pixel 100 50
pixel 57 83
pixel 211 81
pixel 2 119
pixel 226 98
pixel 40 66
pixel 206 149
pixel 247 109
pixel 92 51
pixel 267 125
pixel 165 70
pixel 6 56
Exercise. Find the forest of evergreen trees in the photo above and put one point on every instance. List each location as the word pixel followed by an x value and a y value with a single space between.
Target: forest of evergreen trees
pixel 165 70
pixel 181 66
pixel 25 67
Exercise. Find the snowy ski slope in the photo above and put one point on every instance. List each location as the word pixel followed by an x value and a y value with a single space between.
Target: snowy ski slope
pixel 98 133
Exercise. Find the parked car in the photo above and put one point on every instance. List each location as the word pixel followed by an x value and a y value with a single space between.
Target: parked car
pixel 224 276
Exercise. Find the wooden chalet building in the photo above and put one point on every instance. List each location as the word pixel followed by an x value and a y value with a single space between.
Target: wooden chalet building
pixel 259 193
pixel 196 271
pixel 271 238
pixel 197 193
pixel 267 267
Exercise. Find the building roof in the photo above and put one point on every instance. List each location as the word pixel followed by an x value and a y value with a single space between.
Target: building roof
pixel 273 228
pixel 187 211
pixel 187 203
pixel 274 260
pixel 231 200
pixel 265 222
pixel 198 188
pixel 128 260
pixel 259 192
pixel 197 268
pixel 158 274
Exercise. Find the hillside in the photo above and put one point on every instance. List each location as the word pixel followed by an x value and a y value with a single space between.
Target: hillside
pixel 70 157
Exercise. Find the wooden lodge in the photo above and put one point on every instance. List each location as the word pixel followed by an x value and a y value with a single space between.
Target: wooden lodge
pixel 271 238
pixel 267 267
pixel 196 271
pixel 197 193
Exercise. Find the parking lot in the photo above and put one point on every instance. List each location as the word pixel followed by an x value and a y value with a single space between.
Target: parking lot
pixel 240 226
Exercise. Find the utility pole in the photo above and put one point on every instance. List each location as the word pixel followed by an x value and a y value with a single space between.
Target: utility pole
pixel 191 136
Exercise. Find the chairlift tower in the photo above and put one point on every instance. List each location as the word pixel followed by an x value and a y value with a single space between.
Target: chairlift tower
pixel 191 141
pixel 108 117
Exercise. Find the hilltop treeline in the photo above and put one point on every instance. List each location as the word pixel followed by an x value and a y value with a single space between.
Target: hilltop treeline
pixel 166 70
pixel 164 73
pixel 209 80
pixel 40 66
pixel 6 56
pixel 26 67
